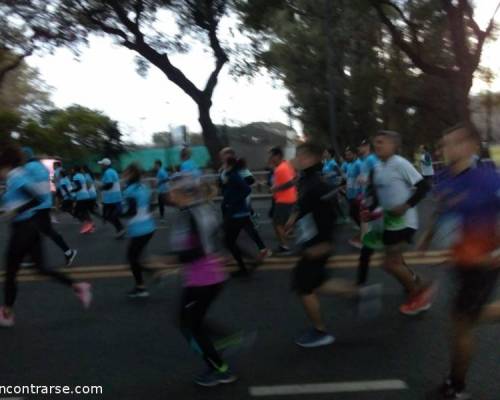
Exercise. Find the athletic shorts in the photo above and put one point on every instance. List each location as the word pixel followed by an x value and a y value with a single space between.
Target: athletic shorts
pixel 282 213
pixel 309 274
pixel 403 236
pixel 475 288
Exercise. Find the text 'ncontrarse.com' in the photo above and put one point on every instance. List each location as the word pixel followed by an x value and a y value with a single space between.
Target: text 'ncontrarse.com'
pixel 48 390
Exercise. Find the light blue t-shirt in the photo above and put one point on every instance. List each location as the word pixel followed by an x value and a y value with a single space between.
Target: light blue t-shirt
pixel 113 195
pixel 91 186
pixel 352 171
pixel 142 223
pixel 65 188
pixel 368 165
pixel 191 167
pixel 83 192
pixel 15 196
pixel 41 178
pixel 161 180
pixel 330 171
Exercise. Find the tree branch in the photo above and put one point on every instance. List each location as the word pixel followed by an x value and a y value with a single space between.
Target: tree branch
pixel 413 54
pixel 16 62
pixel 219 53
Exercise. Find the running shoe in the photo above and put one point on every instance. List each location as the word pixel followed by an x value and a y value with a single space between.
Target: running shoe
pixel 83 291
pixel 120 234
pixel 6 321
pixel 263 254
pixel 137 293
pixel 315 338
pixel 449 392
pixel 86 228
pixel 70 257
pixel 356 243
pixel 419 303
pixel 214 378
pixel 282 251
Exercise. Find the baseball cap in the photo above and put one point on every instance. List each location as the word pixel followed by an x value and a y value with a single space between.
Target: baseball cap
pixel 105 161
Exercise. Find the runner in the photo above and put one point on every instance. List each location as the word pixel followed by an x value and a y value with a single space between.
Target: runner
pixel 187 163
pixel 251 230
pixel 90 181
pixel 161 185
pixel 284 195
pixel 315 219
pixel 82 198
pixel 193 239
pixel 426 167
pixel 111 196
pixel 352 170
pixel 331 170
pixel 236 214
pixel 469 199
pixel 140 226
pixel 21 198
pixel 41 176
pixel 65 188
pixel 399 188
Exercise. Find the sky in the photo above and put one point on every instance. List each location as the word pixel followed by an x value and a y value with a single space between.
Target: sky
pixel 104 77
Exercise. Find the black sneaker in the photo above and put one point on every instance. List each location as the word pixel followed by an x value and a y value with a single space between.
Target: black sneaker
pixel 214 378
pixel 70 257
pixel 137 293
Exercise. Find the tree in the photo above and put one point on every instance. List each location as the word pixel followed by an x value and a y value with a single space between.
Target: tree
pixel 161 139
pixel 135 25
pixel 461 42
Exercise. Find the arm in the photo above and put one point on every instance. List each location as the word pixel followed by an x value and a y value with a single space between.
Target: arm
pixel 78 186
pixel 35 201
pixel 130 208
pixel 106 186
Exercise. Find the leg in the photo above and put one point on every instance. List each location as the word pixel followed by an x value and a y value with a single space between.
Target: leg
pixel 462 347
pixel 114 217
pixel 313 311
pixel 232 229
pixel 394 265
pixel 161 204
pixel 364 264
pixel 249 228
pixel 45 226
pixel 195 304
pixel 135 249
pixel 354 211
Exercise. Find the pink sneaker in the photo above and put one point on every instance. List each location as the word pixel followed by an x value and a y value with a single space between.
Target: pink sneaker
pixel 83 291
pixel 6 321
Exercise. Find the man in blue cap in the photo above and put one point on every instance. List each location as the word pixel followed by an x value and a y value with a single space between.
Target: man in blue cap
pixel 41 176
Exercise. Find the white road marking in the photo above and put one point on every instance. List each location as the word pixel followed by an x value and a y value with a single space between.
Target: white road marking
pixel 334 387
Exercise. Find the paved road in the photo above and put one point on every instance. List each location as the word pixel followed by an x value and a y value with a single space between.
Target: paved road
pixel 134 350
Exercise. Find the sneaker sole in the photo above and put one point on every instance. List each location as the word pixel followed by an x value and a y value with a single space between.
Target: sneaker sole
pixel 416 312
pixel 324 342
pixel 218 382
pixel 136 296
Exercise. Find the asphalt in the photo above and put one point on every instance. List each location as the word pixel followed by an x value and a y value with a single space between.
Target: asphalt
pixel 133 349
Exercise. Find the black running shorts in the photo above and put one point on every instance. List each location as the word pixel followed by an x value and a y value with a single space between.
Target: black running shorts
pixel 309 274
pixel 475 288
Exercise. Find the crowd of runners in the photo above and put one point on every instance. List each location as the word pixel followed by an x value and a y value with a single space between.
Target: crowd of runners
pixel 310 193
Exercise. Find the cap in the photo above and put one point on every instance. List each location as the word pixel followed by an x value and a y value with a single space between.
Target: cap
pixel 105 161
pixel 365 142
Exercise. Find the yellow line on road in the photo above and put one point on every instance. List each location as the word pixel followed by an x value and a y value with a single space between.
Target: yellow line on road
pixel 121 271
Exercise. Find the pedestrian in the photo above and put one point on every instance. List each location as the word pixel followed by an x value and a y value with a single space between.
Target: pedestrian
pixel 161 186
pixel 140 225
pixel 193 239
pixel 284 195
pixel 41 176
pixel 91 187
pixel 399 188
pixel 22 197
pixel 82 201
pixel 65 188
pixel 111 196
pixel 469 199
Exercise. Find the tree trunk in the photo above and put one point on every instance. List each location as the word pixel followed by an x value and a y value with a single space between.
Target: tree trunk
pixel 209 132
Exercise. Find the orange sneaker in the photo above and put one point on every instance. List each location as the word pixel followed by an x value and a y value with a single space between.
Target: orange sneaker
pixel 420 302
